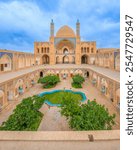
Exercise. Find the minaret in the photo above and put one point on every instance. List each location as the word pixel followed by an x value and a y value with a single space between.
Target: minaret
pixel 52 28
pixel 78 28
pixel 77 50
pixel 51 42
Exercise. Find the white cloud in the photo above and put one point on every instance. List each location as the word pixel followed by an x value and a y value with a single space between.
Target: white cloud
pixel 23 16
pixel 28 17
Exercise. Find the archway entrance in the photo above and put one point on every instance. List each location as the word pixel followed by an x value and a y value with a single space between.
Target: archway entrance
pixel 87 74
pixel 65 51
pixel 41 74
pixel 65 59
pixel 45 59
pixel 84 59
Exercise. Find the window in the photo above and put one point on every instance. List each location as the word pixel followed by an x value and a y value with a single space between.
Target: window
pixel 87 49
pixel 38 50
pixel 2 67
pixel 47 49
pixel 84 49
pixel 81 49
pixel 42 50
pixel 91 50
pixel 6 65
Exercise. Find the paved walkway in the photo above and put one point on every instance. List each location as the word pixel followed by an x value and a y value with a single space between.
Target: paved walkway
pixel 104 71
pixel 52 119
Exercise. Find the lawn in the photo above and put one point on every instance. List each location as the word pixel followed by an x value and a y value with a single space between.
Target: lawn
pixel 57 97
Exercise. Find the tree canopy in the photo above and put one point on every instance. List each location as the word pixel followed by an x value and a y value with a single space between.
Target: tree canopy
pixel 77 81
pixel 49 81
pixel 26 116
pixel 89 116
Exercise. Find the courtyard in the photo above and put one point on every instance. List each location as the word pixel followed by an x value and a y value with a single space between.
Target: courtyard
pixel 52 120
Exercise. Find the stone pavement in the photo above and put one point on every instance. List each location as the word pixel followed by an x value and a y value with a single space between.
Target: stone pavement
pixel 53 121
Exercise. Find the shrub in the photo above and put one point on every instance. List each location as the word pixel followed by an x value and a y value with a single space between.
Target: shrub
pixel 49 81
pixel 26 116
pixel 77 81
pixel 76 85
pixel 90 116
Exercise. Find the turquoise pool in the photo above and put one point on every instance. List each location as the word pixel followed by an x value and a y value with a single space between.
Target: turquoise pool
pixel 84 98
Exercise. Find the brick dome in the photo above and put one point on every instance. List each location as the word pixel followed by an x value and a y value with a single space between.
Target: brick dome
pixel 65 31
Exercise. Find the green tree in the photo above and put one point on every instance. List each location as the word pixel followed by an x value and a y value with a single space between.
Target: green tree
pixel 77 81
pixel 69 106
pixel 49 81
pixel 93 116
pixel 25 116
pixel 89 116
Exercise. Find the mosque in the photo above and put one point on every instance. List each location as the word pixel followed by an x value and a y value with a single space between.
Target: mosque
pixel 64 53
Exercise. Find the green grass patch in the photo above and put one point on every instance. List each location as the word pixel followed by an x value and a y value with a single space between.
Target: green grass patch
pixel 56 98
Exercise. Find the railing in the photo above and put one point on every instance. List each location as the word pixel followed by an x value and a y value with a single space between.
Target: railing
pixel 65 53
pixel 65 63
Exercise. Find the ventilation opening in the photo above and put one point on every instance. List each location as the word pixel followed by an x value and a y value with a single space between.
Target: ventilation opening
pixel 91 138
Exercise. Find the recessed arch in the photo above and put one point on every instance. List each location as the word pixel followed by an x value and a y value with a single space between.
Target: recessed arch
pixel 45 59
pixel 21 60
pixel 5 63
pixel 84 59
pixel 117 62
pixel 57 60
pixel 65 51
pixel 41 74
pixel 65 59
pixel 19 86
pixel 1 99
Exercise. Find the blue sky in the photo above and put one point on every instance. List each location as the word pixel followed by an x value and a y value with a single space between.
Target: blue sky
pixel 24 21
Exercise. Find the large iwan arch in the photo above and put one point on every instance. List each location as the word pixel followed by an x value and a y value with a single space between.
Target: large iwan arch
pixel 45 59
pixel 84 59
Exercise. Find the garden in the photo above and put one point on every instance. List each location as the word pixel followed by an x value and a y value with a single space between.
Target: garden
pixel 81 116
pixel 49 81
pixel 26 115
pixel 57 97
pixel 88 116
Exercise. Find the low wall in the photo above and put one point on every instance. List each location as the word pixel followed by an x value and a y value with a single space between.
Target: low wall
pixel 102 135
